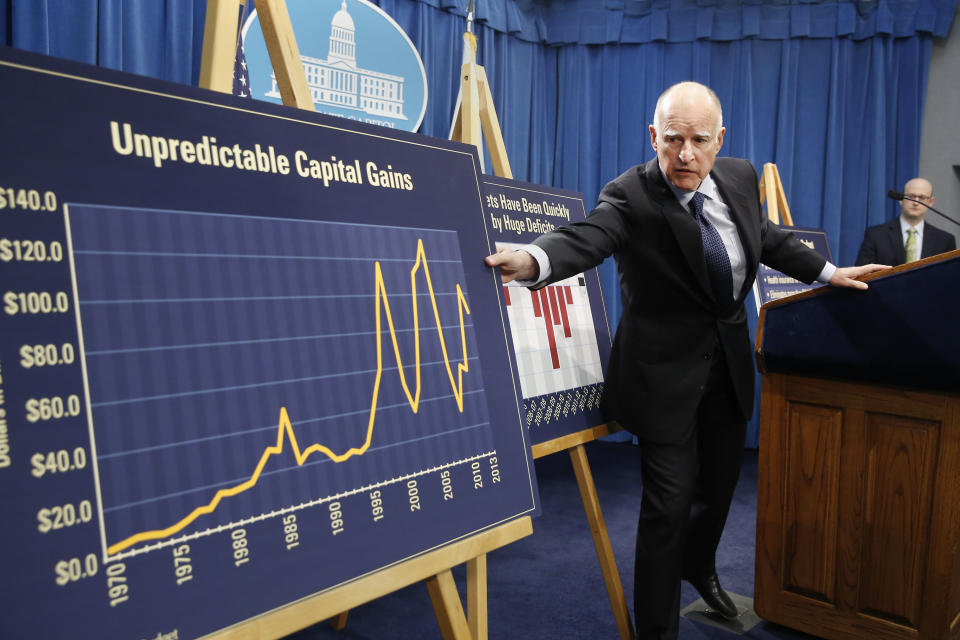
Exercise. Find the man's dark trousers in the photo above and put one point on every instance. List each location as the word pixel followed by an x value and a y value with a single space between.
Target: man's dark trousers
pixel 687 490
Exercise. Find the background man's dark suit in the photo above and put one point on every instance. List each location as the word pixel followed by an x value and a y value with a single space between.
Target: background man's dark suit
pixel 681 360
pixel 883 243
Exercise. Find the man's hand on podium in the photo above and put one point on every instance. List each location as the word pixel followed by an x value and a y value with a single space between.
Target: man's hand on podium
pixel 846 276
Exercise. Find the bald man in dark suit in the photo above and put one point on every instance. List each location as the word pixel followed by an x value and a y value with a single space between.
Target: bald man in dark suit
pixel 890 242
pixel 688 233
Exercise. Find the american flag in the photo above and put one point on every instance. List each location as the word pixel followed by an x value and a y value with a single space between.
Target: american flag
pixel 241 77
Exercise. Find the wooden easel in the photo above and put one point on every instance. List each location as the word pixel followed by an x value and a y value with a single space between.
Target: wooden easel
pixel 591 505
pixel 220 39
pixel 434 567
pixel 221 35
pixel 771 191
pixel 477 112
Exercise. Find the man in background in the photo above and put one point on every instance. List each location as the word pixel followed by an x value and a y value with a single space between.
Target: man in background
pixel 908 237
pixel 688 233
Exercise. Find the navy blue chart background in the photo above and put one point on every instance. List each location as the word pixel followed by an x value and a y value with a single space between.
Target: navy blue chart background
pixel 210 298
pixel 773 285
pixel 553 415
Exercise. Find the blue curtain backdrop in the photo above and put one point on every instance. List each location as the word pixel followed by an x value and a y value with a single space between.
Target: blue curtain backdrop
pixel 831 91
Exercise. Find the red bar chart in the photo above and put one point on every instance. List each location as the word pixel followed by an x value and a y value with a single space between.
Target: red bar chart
pixel 550 305
pixel 554 337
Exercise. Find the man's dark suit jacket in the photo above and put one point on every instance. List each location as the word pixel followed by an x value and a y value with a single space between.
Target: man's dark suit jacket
pixel 883 243
pixel 664 343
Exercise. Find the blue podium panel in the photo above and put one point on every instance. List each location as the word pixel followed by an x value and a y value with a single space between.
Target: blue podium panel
pixel 247 354
pixel 902 331
pixel 560 333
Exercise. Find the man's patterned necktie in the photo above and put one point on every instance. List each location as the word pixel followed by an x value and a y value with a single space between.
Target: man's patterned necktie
pixel 718 263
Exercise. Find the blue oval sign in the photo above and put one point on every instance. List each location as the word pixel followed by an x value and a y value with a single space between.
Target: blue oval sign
pixel 359 63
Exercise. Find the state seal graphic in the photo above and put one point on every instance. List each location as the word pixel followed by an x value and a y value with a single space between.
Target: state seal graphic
pixel 358 61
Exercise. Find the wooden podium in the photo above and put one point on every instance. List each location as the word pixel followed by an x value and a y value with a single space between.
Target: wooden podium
pixel 858 516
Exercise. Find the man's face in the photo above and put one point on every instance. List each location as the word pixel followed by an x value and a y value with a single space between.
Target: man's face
pixel 689 141
pixel 918 189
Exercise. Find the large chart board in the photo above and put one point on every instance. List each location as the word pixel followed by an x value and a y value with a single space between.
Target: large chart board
pixel 560 333
pixel 247 354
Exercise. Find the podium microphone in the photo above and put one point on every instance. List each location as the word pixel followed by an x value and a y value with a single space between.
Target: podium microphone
pixel 898 195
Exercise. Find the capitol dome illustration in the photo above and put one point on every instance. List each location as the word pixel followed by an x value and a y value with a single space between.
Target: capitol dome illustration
pixel 339 82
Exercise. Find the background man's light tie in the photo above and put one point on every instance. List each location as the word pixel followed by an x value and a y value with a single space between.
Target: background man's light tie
pixel 911 245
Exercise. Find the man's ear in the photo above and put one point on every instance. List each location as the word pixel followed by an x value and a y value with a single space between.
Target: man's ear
pixel 653 138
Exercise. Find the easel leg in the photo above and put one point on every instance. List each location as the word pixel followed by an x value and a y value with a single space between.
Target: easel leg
pixel 608 565
pixel 469 116
pixel 477 113
pixel 477 597
pixel 447 606
pixel 339 622
pixel 491 128
pixel 219 45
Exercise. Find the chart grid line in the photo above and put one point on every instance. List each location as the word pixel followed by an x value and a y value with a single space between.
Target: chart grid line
pixel 244 256
pixel 230 343
pixel 253 385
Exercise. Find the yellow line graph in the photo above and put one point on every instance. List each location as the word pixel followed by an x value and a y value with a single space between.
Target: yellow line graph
pixel 285 427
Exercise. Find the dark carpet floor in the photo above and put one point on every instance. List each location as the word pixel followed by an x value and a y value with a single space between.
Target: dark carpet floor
pixel 549 585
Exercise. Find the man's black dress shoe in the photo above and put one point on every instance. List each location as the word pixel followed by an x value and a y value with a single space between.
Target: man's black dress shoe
pixel 713 594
